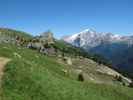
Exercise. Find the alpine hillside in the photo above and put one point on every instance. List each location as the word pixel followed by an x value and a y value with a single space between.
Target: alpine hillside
pixel 44 68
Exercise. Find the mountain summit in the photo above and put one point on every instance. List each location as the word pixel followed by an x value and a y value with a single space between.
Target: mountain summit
pixel 90 38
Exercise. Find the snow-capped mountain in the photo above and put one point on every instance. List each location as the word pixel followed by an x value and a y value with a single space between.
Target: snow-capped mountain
pixel 90 38
pixel 115 47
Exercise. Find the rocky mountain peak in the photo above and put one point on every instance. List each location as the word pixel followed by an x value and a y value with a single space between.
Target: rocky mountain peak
pixel 91 38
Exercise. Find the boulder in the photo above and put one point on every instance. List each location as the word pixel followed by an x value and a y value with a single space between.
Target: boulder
pixel 68 60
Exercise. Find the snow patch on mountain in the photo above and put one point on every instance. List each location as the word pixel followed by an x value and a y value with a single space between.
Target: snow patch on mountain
pixel 90 38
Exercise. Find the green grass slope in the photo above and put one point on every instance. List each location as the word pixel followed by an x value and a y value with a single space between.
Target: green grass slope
pixel 14 33
pixel 32 76
pixel 75 51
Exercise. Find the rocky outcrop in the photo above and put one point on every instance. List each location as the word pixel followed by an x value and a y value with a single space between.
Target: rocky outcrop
pixel 47 37
pixel 68 60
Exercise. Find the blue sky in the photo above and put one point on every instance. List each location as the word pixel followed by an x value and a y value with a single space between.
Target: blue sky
pixel 65 17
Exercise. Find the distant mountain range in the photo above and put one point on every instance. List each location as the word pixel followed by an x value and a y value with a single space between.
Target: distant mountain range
pixel 115 47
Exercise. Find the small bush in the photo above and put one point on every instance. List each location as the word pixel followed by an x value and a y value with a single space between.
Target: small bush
pixel 80 77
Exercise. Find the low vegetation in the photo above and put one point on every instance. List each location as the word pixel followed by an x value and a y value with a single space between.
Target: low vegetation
pixel 13 33
pixel 32 76
pixel 75 51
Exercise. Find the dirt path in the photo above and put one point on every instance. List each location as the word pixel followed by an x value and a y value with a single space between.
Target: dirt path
pixel 3 62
